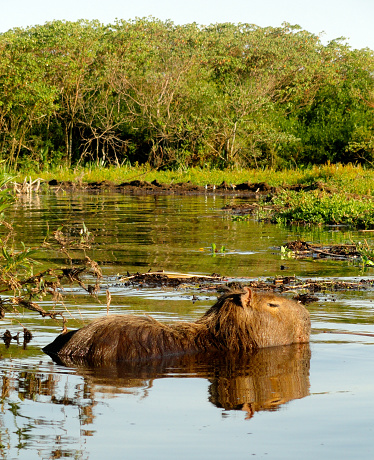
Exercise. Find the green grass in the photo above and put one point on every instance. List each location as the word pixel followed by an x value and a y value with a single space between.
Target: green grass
pixel 348 178
pixel 198 176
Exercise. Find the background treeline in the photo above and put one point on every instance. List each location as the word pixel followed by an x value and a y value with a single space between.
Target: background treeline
pixel 175 96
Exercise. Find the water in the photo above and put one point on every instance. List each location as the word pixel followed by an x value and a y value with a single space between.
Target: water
pixel 312 401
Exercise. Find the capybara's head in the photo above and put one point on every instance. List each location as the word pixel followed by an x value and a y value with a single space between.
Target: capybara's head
pixel 247 319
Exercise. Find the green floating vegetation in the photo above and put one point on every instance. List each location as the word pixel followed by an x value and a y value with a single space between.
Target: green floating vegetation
pixel 366 253
pixel 316 207
pixel 216 250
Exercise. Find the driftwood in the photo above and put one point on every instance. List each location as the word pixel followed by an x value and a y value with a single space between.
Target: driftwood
pixel 163 278
pixel 302 249
pixel 172 275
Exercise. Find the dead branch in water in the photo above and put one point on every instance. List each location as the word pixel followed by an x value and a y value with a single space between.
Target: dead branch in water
pixel 163 278
pixel 172 275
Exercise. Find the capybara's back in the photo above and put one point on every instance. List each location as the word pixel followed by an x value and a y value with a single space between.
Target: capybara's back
pixel 117 338
pixel 239 321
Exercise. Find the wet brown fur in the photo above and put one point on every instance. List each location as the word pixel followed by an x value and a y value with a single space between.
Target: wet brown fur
pixel 240 321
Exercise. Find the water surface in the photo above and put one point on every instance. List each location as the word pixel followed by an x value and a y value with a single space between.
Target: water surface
pixel 290 402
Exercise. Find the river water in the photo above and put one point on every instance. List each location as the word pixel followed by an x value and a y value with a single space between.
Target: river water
pixel 310 401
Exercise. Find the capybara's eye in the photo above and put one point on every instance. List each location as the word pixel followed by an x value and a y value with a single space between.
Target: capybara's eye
pixel 273 305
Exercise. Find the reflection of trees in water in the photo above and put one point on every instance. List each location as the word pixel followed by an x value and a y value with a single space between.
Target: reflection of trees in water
pixel 262 381
pixel 132 231
pixel 26 426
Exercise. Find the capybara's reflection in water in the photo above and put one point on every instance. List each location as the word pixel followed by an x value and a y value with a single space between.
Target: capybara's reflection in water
pixel 269 378
pixel 261 380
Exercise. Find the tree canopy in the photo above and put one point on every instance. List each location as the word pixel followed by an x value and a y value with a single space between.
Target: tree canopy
pixel 178 95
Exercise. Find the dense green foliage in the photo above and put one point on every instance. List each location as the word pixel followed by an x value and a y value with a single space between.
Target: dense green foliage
pixel 172 96
pixel 323 208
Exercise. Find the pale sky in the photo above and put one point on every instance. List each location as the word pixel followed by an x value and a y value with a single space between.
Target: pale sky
pixel 352 19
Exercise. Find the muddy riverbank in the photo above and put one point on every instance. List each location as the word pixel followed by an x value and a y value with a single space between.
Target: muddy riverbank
pixel 182 188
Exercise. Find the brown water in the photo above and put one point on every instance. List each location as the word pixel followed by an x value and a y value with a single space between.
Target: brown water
pixel 288 402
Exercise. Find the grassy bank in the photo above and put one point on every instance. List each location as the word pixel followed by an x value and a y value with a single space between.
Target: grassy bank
pixel 340 178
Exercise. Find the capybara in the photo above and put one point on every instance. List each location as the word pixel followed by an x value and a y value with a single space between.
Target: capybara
pixel 239 321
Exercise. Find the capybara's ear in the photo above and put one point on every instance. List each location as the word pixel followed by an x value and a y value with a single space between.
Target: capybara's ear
pixel 246 297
